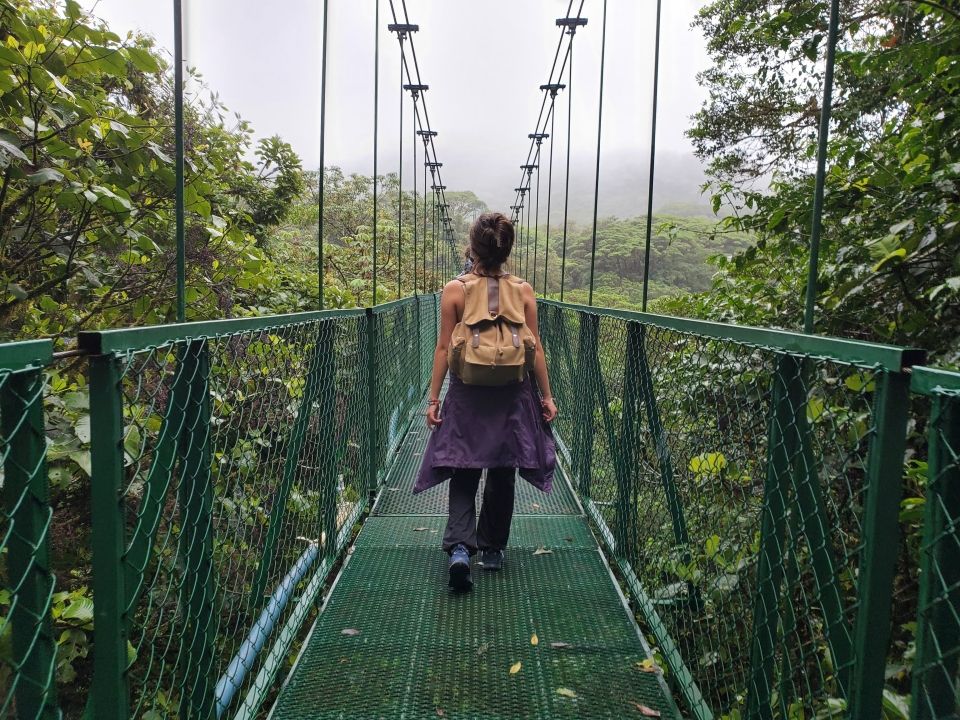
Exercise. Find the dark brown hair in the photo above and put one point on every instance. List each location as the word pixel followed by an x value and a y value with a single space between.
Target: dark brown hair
pixel 491 240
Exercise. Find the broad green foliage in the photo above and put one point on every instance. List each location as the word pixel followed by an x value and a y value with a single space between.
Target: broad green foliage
pixel 890 263
pixel 86 199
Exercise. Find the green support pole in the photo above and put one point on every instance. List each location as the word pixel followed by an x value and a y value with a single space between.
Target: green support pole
pixel 596 186
pixel 195 499
pixel 26 502
pixel 372 434
pixel 626 531
pixel 783 446
pixel 291 467
pixel 584 437
pixel 934 672
pixel 376 124
pixel 812 508
pixel 880 533
pixel 662 447
pixel 326 401
pixel 323 137
pixel 109 691
pixel 157 484
pixel 653 160
pixel 817 219
pixel 180 207
pixel 566 191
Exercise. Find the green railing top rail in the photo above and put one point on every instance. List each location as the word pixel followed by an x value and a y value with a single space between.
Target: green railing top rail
pixel 851 352
pixel 934 381
pixel 137 338
pixel 25 355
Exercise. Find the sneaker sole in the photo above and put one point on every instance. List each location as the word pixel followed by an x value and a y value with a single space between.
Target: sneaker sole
pixel 460 577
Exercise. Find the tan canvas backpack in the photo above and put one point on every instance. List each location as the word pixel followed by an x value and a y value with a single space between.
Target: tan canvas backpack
pixel 491 345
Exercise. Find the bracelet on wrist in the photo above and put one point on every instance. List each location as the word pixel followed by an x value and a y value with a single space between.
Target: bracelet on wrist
pixel 433 402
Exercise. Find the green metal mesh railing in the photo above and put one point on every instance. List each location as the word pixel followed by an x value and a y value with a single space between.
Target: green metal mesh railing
pixel 746 482
pixel 232 459
pixel 27 644
pixel 936 681
pixel 732 472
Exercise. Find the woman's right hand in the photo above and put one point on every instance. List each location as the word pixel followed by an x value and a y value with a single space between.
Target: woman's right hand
pixel 433 415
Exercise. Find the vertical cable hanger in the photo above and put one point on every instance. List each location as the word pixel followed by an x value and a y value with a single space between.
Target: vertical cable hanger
pixel 570 24
pixel 403 30
pixel 321 258
pixel 526 245
pixel 653 160
pixel 180 209
pixel 415 90
pixel 553 89
pixel 538 138
pixel 596 186
pixel 376 127
pixel 522 191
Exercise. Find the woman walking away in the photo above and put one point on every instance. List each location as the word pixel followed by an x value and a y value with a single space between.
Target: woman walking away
pixel 494 417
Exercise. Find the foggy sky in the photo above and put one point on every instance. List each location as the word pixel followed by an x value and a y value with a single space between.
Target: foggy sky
pixel 484 62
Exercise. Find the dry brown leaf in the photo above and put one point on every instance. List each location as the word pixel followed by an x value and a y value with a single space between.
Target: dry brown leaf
pixel 350 632
pixel 515 668
pixel 566 692
pixel 534 640
pixel 542 551
pixel 420 529
pixel 644 710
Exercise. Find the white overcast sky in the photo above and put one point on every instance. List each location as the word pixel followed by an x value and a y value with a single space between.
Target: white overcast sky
pixel 484 61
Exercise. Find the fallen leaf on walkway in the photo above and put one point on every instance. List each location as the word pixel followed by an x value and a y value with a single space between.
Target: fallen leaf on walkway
pixel 350 632
pixel 420 529
pixel 644 710
pixel 481 651
pixel 536 506
pixel 515 668
pixel 566 692
pixel 344 660
pixel 647 665
pixel 534 640
pixel 441 713
pixel 569 539
pixel 560 645
pixel 542 551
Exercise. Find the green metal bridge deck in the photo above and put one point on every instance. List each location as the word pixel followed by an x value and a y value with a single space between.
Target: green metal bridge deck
pixel 425 652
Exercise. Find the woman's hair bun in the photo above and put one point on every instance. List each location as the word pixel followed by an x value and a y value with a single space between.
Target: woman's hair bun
pixel 491 240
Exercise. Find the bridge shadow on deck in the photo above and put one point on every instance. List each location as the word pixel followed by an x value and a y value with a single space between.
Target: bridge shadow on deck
pixel 416 650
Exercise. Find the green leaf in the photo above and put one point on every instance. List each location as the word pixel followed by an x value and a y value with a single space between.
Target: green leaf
pixel 10 149
pixel 143 60
pixel 44 175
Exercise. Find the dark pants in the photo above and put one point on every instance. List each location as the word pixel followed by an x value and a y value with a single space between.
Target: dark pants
pixel 493 530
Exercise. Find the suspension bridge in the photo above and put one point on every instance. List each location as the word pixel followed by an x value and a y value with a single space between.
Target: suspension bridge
pixel 721 541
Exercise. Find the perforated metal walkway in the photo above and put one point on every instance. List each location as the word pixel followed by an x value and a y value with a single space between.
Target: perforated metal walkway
pixel 412 649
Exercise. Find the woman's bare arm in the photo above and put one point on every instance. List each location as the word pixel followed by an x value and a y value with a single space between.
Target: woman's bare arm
pixel 451 304
pixel 540 359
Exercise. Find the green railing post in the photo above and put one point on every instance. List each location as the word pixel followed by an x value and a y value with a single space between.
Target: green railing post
pixel 109 689
pixel 626 531
pixel 880 533
pixel 786 396
pixel 583 431
pixel 811 507
pixel 938 635
pixel 195 499
pixel 326 411
pixel 26 503
pixel 372 433
pixel 291 466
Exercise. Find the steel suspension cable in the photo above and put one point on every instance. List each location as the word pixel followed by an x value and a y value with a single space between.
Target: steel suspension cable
pixel 546 252
pixel 536 221
pixel 400 182
pixel 376 125
pixel 180 205
pixel 566 190
pixel 321 259
pixel 653 161
pixel 596 186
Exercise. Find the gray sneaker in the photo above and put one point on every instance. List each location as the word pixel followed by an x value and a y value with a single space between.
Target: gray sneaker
pixel 491 559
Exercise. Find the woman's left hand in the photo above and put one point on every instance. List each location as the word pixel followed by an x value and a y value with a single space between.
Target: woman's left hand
pixel 549 409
